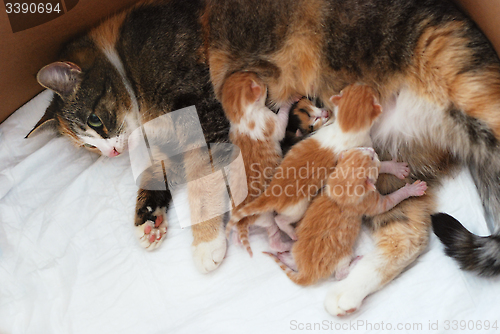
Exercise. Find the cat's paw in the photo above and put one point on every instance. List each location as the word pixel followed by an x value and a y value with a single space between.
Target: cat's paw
pixel 417 188
pixel 151 233
pixel 209 255
pixel 342 300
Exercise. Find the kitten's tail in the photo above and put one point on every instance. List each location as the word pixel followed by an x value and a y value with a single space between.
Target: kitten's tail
pixel 243 228
pixel 259 205
pixel 472 252
pixel 298 277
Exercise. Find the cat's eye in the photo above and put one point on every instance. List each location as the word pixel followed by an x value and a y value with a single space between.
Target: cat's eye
pixel 94 121
pixel 89 146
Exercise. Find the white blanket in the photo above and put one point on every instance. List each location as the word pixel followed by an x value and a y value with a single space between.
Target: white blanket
pixel 70 262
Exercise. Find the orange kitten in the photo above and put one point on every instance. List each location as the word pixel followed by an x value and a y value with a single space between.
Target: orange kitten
pixel 306 167
pixel 257 131
pixel 332 222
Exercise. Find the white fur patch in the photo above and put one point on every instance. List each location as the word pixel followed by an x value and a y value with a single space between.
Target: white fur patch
pixel 209 255
pixel 347 295
pixel 331 137
pixel 260 116
pixel 408 118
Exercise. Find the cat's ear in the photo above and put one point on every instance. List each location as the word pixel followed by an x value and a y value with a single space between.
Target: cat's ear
pixel 62 77
pixel 46 123
pixel 298 133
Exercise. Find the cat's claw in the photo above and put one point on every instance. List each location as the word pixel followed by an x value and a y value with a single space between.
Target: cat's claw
pixel 151 233
pixel 209 255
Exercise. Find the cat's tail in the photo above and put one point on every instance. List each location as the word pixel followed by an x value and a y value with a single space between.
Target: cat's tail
pixel 298 277
pixel 472 252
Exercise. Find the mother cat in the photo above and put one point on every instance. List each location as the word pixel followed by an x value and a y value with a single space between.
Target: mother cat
pixel 438 77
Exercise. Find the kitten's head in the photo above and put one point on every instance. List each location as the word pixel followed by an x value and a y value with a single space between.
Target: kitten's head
pixel 91 104
pixel 240 90
pixel 305 117
pixel 355 175
pixel 356 108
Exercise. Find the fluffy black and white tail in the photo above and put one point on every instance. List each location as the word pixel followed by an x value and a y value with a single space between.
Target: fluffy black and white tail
pixel 472 252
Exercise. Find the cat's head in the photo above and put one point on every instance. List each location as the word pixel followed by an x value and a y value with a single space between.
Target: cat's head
pixel 305 117
pixel 355 175
pixel 357 108
pixel 91 103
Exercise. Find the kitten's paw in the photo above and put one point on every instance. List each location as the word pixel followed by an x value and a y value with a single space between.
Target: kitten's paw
pixel 152 232
pixel 285 224
pixel 341 300
pixel 417 188
pixel 209 255
pixel 277 245
pixel 399 169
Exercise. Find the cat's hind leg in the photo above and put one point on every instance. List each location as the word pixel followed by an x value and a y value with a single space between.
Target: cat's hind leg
pixel 401 235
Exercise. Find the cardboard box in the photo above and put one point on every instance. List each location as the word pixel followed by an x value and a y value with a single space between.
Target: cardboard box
pixel 30 41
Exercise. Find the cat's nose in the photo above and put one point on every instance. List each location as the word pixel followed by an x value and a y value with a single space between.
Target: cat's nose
pixel 114 153
pixel 325 113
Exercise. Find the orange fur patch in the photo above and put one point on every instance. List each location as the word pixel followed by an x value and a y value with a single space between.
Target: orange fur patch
pixel 106 35
pixel 360 102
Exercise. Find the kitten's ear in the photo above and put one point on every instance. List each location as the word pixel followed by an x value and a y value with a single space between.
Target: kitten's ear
pixel 377 108
pixel 298 133
pixel 336 99
pixel 256 90
pixel 47 123
pixel 370 185
pixel 61 77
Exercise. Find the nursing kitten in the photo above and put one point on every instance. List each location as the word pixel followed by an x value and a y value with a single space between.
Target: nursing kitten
pixel 257 131
pixel 305 118
pixel 313 159
pixel 331 224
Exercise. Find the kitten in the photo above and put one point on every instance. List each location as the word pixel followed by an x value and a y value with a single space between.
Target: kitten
pixel 305 118
pixel 314 157
pixel 331 224
pixel 257 131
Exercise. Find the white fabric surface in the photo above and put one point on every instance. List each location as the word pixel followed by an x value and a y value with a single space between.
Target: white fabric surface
pixel 70 262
